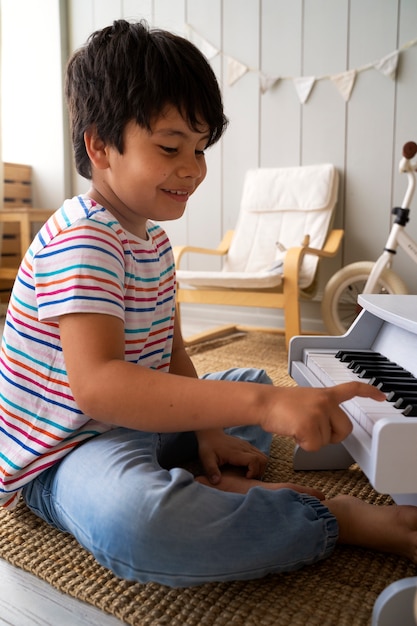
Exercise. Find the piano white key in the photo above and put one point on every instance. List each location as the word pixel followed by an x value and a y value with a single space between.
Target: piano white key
pixel 327 368
pixel 367 412
pixel 331 371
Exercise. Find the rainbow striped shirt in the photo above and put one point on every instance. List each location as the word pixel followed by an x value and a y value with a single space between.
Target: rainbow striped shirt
pixel 80 261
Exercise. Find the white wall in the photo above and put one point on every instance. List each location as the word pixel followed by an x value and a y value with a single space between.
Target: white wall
pixel 32 111
pixel 286 38
pixel 1 159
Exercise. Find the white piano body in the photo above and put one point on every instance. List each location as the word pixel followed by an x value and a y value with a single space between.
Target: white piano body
pixel 388 456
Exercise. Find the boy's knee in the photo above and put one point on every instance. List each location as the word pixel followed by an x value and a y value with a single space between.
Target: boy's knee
pixel 242 374
pixel 262 377
pixel 254 375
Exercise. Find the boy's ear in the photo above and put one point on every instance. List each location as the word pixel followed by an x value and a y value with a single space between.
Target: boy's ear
pixel 96 149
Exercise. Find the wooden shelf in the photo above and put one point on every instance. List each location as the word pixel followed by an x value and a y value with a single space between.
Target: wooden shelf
pixel 16 219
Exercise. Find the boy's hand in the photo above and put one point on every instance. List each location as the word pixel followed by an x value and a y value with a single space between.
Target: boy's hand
pixel 216 449
pixel 312 416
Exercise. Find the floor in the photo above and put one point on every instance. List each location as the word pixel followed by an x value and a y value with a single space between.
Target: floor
pixel 25 600
pixel 28 601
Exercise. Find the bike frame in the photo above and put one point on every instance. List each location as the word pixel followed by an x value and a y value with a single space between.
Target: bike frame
pixel 397 237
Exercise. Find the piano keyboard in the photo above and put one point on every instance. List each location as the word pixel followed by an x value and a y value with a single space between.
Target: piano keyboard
pixel 332 367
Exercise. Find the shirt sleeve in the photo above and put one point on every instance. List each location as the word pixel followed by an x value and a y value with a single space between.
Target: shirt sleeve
pixel 82 270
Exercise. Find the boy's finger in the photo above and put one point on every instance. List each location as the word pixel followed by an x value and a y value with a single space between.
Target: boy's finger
pixel 346 391
pixel 256 468
pixel 341 426
pixel 211 468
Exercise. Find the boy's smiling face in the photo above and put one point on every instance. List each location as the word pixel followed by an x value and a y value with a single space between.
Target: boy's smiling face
pixel 155 175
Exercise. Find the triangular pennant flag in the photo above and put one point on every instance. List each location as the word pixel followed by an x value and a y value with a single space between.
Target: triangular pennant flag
pixel 267 82
pixel 202 44
pixel 208 50
pixel 303 86
pixel 388 65
pixel 344 83
pixel 236 70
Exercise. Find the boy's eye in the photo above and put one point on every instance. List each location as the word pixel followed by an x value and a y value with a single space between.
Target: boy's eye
pixel 169 150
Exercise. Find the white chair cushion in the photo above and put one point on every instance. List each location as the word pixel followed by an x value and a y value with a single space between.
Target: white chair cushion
pixel 303 188
pixel 231 280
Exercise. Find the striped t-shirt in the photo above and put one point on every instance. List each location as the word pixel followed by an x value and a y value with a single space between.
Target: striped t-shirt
pixel 81 261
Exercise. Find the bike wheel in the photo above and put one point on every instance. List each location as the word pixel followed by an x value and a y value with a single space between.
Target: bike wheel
pixel 340 300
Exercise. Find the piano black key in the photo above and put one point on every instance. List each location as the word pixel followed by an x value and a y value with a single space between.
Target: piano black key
pixel 393 385
pixel 388 378
pixel 384 374
pixel 410 410
pixel 394 396
pixel 348 355
pixel 360 358
pixel 404 401
pixel 367 363
pixel 377 362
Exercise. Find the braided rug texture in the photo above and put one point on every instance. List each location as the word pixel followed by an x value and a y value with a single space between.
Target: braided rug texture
pixel 339 591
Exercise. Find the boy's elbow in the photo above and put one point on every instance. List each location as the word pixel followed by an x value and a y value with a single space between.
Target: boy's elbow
pixel 93 397
pixel 104 392
pixel 87 400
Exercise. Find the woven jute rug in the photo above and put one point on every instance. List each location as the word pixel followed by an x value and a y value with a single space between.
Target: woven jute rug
pixel 340 591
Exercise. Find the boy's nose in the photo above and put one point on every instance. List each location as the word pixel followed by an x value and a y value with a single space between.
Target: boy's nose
pixel 192 167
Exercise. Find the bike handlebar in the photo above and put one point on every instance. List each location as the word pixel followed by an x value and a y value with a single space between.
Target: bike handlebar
pixel 409 150
pixel 409 168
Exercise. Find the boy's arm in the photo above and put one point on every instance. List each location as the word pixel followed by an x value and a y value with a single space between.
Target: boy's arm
pixel 180 361
pixel 109 389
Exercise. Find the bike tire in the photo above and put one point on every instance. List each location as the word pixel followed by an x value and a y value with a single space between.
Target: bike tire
pixel 340 299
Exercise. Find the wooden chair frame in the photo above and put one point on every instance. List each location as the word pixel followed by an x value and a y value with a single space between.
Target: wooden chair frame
pixel 286 296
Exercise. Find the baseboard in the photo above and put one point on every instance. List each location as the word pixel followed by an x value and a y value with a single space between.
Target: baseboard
pixel 196 317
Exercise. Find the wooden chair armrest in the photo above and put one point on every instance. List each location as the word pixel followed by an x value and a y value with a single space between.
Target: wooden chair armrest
pixel 331 246
pixel 221 249
pixel 292 262
pixel 294 256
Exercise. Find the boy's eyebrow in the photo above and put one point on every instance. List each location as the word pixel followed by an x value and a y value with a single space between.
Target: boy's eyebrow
pixel 176 133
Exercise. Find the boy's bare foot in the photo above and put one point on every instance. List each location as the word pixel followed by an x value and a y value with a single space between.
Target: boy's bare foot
pixel 384 528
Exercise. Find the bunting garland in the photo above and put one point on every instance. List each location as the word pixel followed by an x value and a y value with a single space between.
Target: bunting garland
pixel 202 44
pixel 388 65
pixel 267 82
pixel 303 86
pixel 235 71
pixel 344 81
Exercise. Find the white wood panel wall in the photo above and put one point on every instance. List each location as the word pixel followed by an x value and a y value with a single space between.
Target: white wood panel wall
pixel 291 38
pixel 31 106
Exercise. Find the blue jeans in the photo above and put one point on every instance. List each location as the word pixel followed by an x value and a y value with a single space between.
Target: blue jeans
pixel 123 496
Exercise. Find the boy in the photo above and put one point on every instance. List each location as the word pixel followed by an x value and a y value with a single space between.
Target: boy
pixel 100 404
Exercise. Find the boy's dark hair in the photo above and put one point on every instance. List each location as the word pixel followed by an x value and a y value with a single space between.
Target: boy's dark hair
pixel 127 72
